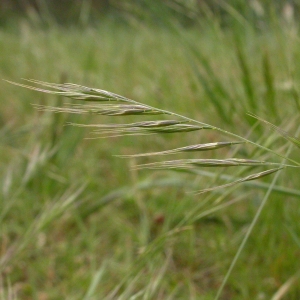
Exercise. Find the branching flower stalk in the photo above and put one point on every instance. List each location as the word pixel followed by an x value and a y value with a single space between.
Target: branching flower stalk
pixel 110 104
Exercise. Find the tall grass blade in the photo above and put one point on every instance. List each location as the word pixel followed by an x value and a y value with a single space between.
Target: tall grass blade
pixel 91 292
pixel 246 78
pixel 270 95
pixel 207 77
pixel 253 223
pixel 212 87
pixel 282 292
pixel 245 239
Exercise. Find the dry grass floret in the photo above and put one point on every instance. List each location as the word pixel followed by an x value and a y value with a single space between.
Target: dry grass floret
pixel 123 106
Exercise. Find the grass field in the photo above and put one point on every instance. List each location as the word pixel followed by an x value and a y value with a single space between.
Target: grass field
pixel 78 222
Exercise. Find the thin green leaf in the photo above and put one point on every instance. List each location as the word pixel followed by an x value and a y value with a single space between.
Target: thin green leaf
pixel 269 82
pixel 246 78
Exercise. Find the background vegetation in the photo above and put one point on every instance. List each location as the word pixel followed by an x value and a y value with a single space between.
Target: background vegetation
pixel 77 222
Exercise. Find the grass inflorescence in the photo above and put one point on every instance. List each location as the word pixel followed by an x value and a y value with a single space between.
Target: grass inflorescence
pixel 81 222
pixel 101 97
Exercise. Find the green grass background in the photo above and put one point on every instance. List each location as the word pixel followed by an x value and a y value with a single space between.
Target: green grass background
pixel 78 222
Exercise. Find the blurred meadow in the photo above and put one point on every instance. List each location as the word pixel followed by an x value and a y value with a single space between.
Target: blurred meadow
pixel 79 222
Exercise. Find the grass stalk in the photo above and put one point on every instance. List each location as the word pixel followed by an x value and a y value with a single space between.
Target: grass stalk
pixel 251 227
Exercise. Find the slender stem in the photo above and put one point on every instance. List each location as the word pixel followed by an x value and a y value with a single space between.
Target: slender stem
pixel 220 130
pixel 253 223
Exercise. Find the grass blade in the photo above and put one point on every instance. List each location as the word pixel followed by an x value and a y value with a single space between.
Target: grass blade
pixel 247 79
pixel 269 82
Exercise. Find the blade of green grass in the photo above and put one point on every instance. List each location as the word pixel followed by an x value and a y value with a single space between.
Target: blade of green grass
pixel 270 95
